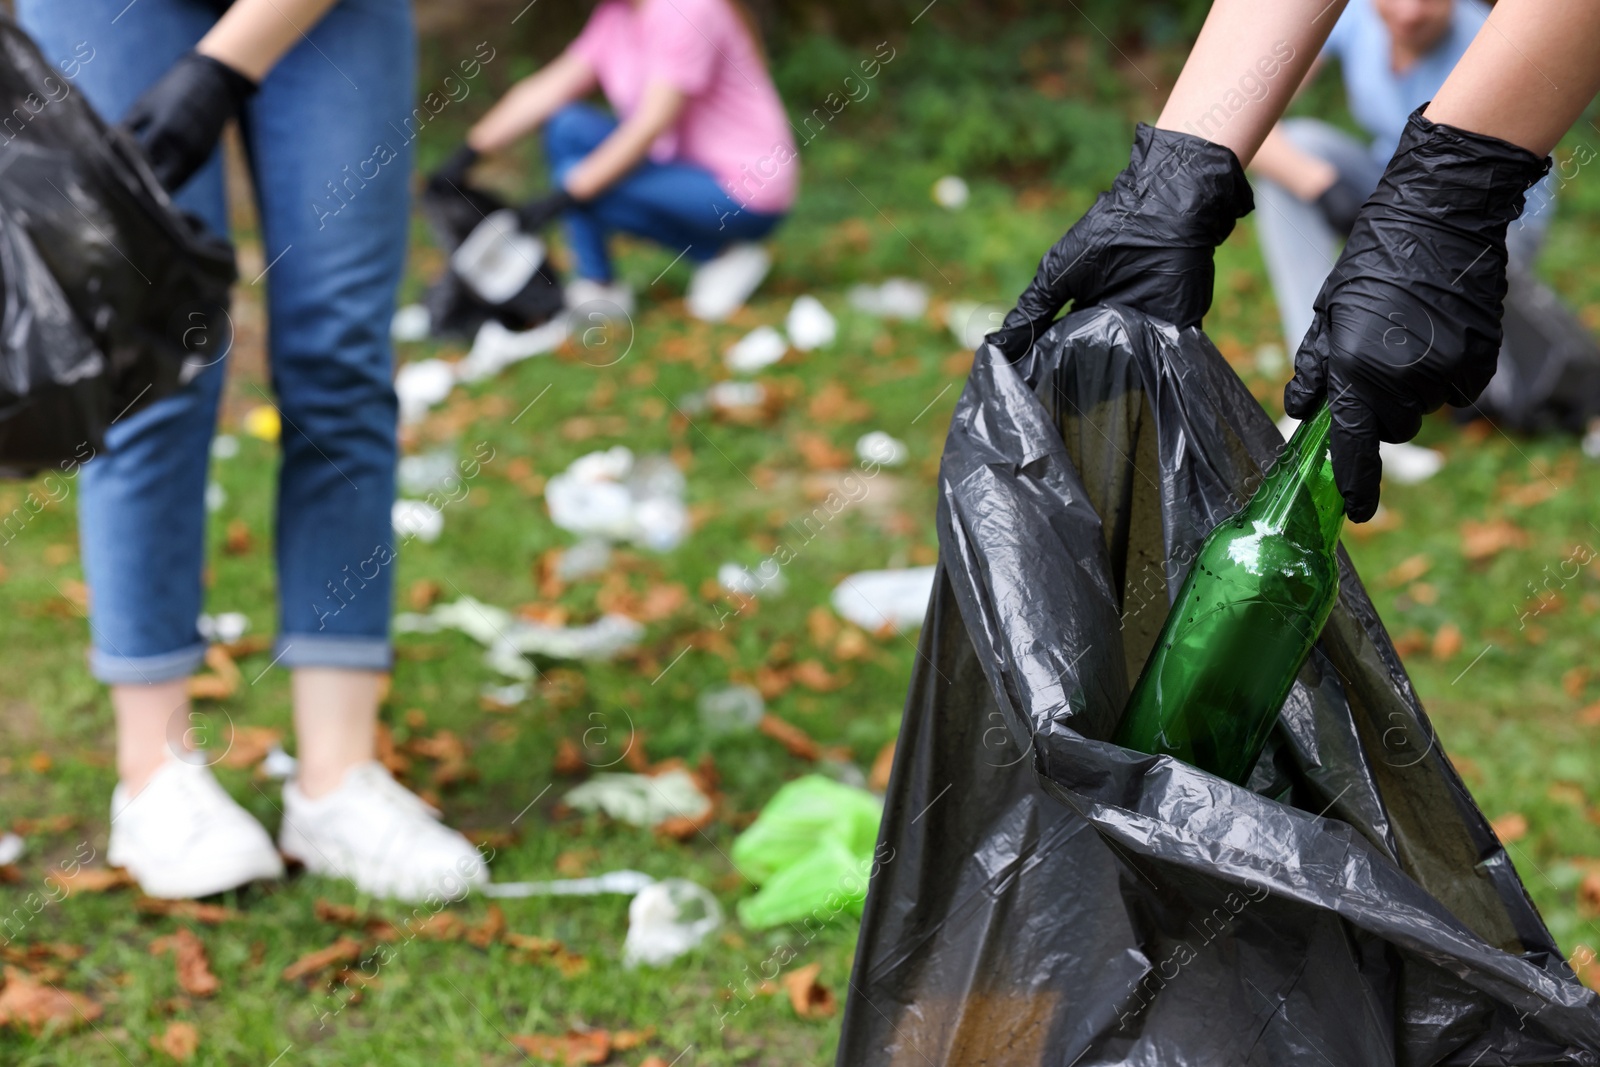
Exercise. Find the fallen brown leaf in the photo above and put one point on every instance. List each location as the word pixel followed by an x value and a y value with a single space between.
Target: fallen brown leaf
pixel 623 1040
pixel 249 745
pixel 1574 681
pixel 809 997
pixel 248 645
pixel 1485 540
pixel 49 824
pixel 489 930
pixel 1510 827
pixel 815 676
pixel 1589 895
pixel 34 1006
pixel 237 541
pixel 93 879
pixel 423 594
pixel 194 968
pixel 570 1050
pixel 882 764
pixel 818 454
pixel 344 950
pixel 1447 642
pixel 798 743
pixel 823 626
pixel 180 1041
pixel 1409 570
pixel 833 403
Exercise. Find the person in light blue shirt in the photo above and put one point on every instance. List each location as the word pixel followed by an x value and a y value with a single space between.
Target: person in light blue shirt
pixel 1311 178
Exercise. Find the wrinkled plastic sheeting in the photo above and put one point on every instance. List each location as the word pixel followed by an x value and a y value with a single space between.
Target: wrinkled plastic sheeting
pixel 113 297
pixel 1045 897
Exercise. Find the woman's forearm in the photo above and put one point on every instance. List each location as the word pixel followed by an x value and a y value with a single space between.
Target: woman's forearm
pixel 254 34
pixel 1245 68
pixel 531 101
pixel 628 144
pixel 1297 170
pixel 1528 74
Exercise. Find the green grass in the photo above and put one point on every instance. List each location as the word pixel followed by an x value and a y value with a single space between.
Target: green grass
pixel 1509 721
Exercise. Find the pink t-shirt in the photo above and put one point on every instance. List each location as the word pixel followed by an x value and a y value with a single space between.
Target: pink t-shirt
pixel 732 124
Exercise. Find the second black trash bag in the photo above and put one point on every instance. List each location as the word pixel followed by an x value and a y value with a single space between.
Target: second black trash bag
pixel 147 285
pixel 1043 897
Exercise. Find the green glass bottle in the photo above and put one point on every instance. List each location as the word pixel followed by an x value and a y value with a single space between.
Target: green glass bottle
pixel 1250 609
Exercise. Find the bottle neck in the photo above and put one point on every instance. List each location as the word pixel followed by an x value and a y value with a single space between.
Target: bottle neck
pixel 1305 467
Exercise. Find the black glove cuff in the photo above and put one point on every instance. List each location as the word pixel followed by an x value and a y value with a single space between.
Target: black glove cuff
pixel 239 87
pixel 1458 173
pixel 1211 196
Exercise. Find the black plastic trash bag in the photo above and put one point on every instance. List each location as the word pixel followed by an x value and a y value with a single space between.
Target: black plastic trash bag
pixel 1044 897
pixel 1548 377
pixel 85 221
pixel 453 212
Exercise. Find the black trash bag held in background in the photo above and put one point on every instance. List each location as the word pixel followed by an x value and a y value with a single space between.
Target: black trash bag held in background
pixel 453 211
pixel 113 297
pixel 1044 897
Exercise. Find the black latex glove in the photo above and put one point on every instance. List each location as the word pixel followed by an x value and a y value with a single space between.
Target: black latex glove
pixel 535 215
pixel 179 119
pixel 454 170
pixel 1340 203
pixel 1410 317
pixel 1145 243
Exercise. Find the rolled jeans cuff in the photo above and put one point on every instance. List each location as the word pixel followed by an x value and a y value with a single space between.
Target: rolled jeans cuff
pixel 327 650
pixel 146 670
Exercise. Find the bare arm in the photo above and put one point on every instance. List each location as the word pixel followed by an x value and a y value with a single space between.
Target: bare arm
pixel 1528 74
pixel 254 34
pixel 1298 171
pixel 531 101
pixel 1246 66
pixel 628 143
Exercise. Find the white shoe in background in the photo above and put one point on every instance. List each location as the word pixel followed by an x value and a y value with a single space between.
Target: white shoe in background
pixel 610 301
pixel 378 834
pixel 721 286
pixel 183 836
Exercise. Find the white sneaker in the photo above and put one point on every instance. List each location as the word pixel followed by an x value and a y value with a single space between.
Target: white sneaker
pixel 722 285
pixel 610 301
pixel 183 836
pixel 378 834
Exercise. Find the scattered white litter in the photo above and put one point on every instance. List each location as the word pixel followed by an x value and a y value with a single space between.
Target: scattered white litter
pixel 421 385
pixel 585 559
pixel 875 599
pixel 732 396
pixel 731 709
pixel 625 882
pixel 895 298
pixel 1591 441
pixel 225 627
pixel 426 472
pixel 1403 464
pixel 641 799
pixel 11 848
pixel 950 192
pixel 410 323
pixel 614 496
pixel 761 347
pixel 498 259
pixel 216 497
pixel 878 447
pixel 667 919
pixel 737 578
pixel 969 322
pixel 279 764
pixel 417 518
pixel 507 696
pixel 1270 360
pixel 511 639
pixel 810 325
pixel 494 347
pixel 843 771
pixel 224 446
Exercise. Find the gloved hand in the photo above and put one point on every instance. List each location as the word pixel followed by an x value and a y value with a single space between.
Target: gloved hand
pixel 535 215
pixel 1340 203
pixel 179 119
pixel 454 170
pixel 1410 317
pixel 1147 242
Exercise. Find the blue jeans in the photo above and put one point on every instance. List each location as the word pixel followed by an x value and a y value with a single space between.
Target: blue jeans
pixel 333 231
pixel 678 205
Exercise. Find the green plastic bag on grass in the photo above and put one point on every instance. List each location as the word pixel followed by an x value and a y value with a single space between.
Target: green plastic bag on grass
pixel 810 850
